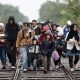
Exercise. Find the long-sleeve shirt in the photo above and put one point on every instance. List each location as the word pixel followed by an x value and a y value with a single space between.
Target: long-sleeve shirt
pixel 2 39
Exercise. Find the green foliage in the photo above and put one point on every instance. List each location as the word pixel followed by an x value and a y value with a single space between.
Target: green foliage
pixel 74 10
pixel 8 10
pixel 61 12
pixel 52 11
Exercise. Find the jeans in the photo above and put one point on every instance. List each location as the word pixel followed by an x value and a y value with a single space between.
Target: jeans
pixel 24 53
pixel 34 64
pixel 3 54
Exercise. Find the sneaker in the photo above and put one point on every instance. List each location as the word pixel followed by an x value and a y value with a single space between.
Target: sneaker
pixel 76 66
pixel 24 70
pixel 71 69
pixel 45 72
pixel 21 68
pixel 3 67
pixel 13 67
pixel 57 67
pixel 9 65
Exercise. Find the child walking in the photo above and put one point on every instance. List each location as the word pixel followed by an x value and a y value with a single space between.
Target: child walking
pixel 34 51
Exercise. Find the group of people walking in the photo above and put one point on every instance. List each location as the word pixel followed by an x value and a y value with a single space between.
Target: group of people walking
pixel 37 44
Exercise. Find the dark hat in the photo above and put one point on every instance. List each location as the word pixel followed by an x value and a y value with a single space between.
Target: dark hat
pixel 34 20
pixel 49 21
pixel 11 17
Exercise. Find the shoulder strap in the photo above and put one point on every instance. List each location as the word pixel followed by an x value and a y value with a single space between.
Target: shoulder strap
pixel 66 36
pixel 23 34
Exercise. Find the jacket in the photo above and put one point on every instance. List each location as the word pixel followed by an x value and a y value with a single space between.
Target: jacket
pixel 11 32
pixel 47 47
pixel 22 41
pixel 70 46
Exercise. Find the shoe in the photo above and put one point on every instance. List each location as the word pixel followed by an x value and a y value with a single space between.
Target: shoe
pixel 21 68
pixel 71 69
pixel 3 67
pixel 9 65
pixel 45 72
pixel 24 70
pixel 34 71
pixel 13 67
pixel 57 67
pixel 76 66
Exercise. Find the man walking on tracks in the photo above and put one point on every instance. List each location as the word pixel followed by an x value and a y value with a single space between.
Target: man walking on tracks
pixel 11 31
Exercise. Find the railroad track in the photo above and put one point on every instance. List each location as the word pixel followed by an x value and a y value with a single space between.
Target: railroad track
pixel 7 74
pixel 10 74
pixel 54 74
pixel 76 72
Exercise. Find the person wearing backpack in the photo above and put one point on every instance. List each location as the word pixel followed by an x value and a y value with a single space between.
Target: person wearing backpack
pixel 34 51
pixel 23 41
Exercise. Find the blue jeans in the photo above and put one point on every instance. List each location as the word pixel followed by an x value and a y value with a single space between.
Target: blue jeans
pixel 34 64
pixel 3 54
pixel 23 51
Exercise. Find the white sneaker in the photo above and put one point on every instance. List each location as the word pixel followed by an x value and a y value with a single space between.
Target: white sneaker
pixel 76 66
pixel 24 70
pixel 71 69
pixel 13 67
pixel 9 65
pixel 57 67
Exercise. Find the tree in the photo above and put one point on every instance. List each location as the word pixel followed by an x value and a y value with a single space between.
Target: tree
pixel 52 11
pixel 8 10
pixel 73 10
pixel 61 12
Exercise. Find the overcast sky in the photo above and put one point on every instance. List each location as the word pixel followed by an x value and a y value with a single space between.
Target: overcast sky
pixel 29 8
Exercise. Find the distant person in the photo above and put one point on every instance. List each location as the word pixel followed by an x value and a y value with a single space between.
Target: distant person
pixel 66 28
pixel 36 28
pixel 11 30
pixel 47 26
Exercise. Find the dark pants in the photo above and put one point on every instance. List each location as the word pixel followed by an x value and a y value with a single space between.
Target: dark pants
pixel 3 54
pixel 32 59
pixel 46 62
pixel 11 52
pixel 71 62
pixel 57 62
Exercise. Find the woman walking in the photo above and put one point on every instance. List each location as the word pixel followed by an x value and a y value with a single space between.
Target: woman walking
pixel 73 46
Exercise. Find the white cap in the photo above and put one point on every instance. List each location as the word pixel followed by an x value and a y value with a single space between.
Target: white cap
pixel 1 24
pixel 69 22
pixel 20 23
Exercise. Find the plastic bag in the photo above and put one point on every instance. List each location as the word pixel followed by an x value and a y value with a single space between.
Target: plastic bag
pixel 55 55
